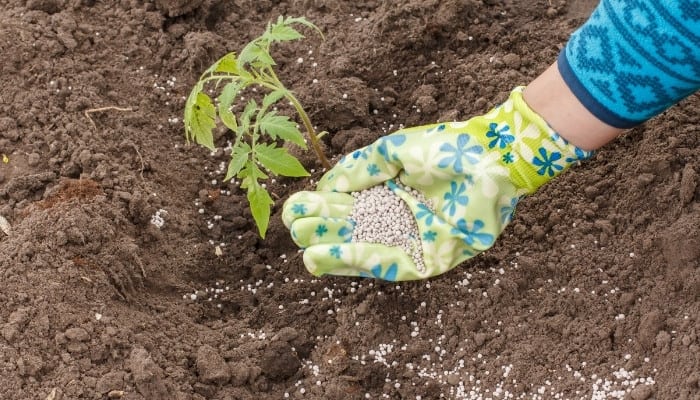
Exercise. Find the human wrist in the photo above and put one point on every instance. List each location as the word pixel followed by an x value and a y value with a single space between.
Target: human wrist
pixel 550 97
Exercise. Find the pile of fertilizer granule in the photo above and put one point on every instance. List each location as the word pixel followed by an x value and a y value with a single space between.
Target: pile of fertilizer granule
pixel 382 217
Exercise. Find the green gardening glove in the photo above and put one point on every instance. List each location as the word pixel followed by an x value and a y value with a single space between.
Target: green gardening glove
pixel 461 182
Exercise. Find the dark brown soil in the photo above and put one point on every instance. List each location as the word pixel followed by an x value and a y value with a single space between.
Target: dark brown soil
pixel 595 286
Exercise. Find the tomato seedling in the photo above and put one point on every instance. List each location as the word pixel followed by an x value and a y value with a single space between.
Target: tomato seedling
pixel 259 131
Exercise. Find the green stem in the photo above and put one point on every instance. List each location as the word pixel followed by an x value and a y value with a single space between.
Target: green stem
pixel 275 85
pixel 312 133
pixel 313 137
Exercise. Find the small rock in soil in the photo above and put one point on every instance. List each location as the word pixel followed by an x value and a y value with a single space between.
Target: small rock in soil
pixel 453 379
pixel 641 392
pixel 211 366
pixel 689 181
pixel 286 334
pixel 47 6
pixel 77 334
pixel 512 60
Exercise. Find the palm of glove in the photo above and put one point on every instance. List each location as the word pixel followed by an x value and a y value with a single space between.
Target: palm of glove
pixel 472 174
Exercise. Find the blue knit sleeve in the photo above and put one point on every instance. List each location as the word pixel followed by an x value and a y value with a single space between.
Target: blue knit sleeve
pixel 633 59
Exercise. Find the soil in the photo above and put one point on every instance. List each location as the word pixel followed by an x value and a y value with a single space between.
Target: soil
pixel 112 286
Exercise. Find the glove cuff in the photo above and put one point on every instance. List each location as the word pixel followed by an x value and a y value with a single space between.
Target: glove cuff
pixel 542 154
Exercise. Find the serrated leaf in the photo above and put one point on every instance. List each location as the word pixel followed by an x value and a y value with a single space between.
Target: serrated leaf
pixel 280 126
pixel 200 120
pixel 279 161
pixel 228 94
pixel 246 116
pixel 260 204
pixel 250 174
pixel 282 33
pixel 239 156
pixel 273 97
pixel 254 53
pixel 305 22
pixel 227 64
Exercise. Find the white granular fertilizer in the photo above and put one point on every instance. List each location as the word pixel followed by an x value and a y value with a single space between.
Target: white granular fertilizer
pixel 382 217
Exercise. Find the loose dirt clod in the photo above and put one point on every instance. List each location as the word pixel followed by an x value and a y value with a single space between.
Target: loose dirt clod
pixel 382 217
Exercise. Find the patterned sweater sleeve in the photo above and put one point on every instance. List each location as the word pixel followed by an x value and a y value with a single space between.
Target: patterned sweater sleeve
pixel 633 59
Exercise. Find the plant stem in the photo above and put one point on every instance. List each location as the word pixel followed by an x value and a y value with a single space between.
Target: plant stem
pixel 304 118
pixel 312 133
pixel 275 85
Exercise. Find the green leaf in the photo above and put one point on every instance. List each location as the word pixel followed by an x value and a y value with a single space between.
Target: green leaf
pixel 189 106
pixel 282 33
pixel 239 156
pixel 251 173
pixel 303 21
pixel 273 97
pixel 227 64
pixel 260 204
pixel 200 120
pixel 246 116
pixel 279 161
pixel 228 94
pixel 254 53
pixel 280 126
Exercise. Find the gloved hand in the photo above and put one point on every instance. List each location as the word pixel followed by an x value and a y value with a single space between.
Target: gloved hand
pixel 472 172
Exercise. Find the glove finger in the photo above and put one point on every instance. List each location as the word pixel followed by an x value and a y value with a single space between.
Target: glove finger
pixel 316 204
pixel 368 260
pixel 315 230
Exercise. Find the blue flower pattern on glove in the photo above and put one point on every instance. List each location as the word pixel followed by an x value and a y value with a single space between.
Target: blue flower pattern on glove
pixel 508 158
pixel 430 236
pixel 547 163
pixel 383 148
pixel 508 211
pixel 346 234
pixel 373 170
pixel 336 252
pixel 459 153
pixel 321 230
pixel 580 155
pixel 376 272
pixel 455 197
pixel 424 211
pixel 471 235
pixel 362 153
pixel 500 136
pixel 436 129
pixel 299 209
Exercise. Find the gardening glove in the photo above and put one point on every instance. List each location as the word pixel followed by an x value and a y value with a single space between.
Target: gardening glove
pixel 471 173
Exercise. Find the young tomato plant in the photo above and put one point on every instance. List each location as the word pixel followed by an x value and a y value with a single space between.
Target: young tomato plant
pixel 258 130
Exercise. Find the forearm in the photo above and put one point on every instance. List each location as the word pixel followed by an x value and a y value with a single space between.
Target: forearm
pixel 629 62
